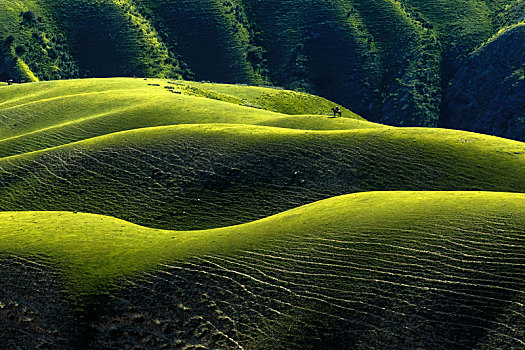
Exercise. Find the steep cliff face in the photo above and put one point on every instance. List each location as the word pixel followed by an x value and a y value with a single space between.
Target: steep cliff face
pixel 390 61
pixel 487 93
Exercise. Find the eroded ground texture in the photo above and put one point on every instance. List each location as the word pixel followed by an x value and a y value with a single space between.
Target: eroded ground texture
pixel 317 291
pixel 35 313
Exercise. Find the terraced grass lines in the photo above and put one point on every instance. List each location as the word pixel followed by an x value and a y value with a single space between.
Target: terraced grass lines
pixel 380 268
pixel 204 176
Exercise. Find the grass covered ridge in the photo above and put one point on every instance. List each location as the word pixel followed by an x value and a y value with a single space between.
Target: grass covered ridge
pixel 217 155
pixel 339 259
pixel 173 214
pixel 211 175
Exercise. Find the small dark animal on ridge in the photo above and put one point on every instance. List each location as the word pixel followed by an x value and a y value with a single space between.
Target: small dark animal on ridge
pixel 337 111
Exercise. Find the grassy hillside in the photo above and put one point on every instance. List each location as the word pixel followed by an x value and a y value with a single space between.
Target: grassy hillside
pixel 382 269
pixel 184 155
pixel 48 114
pixel 421 258
pixel 202 176
pixel 390 61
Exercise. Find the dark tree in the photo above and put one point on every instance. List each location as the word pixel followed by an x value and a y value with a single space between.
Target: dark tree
pixel 20 50
pixel 9 41
pixel 28 17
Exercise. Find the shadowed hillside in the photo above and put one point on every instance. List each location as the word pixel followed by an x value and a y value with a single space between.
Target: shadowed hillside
pixel 488 90
pixel 382 269
pixel 389 61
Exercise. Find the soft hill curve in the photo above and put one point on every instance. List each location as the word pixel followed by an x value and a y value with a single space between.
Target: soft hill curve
pixel 48 114
pixel 211 175
pixel 385 269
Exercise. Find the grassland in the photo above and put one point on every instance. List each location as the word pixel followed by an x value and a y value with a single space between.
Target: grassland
pixel 204 176
pixel 347 270
pixel 48 114
pixel 131 149
pixel 166 213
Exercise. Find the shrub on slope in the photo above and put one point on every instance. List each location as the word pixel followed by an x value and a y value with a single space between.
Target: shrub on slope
pixel 381 269
pixel 202 176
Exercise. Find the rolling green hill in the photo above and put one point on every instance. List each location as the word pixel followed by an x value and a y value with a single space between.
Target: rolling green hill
pixel 204 176
pixel 163 213
pixel 218 155
pixel 380 269
pixel 47 114
pixel 389 61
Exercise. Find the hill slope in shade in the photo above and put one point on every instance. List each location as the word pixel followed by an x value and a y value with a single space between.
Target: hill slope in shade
pixel 380 269
pixel 390 61
pixel 488 90
pixel 203 176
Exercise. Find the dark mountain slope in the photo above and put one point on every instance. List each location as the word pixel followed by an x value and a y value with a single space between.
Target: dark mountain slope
pixel 390 61
pixel 111 38
pixel 207 35
pixel 488 91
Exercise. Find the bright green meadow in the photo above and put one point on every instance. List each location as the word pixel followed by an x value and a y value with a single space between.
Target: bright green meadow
pixel 175 214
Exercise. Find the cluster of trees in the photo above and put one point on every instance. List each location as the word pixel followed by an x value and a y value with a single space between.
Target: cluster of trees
pixel 38 44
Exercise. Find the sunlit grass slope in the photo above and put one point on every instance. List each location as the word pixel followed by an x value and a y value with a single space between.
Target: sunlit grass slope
pixel 47 114
pixel 382 268
pixel 211 175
